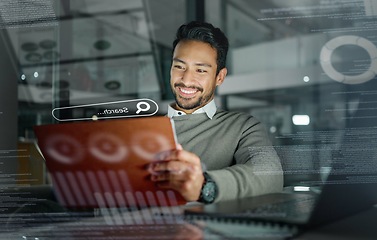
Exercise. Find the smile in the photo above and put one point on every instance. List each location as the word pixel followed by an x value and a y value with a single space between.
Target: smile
pixel 188 91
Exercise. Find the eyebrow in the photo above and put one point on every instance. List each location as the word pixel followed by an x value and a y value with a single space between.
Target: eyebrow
pixel 196 64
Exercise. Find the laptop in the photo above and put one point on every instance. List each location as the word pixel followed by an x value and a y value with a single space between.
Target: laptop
pixel 337 199
pixel 103 164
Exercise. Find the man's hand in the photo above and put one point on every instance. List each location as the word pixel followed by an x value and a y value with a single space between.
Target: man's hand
pixel 180 170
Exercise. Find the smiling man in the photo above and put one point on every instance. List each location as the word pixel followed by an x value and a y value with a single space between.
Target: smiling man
pixel 194 75
pixel 223 155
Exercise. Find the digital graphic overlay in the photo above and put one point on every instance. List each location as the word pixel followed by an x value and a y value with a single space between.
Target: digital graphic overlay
pixel 118 109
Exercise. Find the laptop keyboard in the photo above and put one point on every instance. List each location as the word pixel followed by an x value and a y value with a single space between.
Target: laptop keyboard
pixel 287 209
pixel 99 231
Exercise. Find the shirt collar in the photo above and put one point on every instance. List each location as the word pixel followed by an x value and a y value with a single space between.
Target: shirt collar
pixel 209 109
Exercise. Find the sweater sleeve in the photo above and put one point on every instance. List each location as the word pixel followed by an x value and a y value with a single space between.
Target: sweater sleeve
pixel 257 169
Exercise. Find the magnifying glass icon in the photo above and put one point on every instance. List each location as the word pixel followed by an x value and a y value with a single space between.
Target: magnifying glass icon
pixel 140 109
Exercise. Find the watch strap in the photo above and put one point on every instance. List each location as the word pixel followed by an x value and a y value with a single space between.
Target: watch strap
pixel 208 192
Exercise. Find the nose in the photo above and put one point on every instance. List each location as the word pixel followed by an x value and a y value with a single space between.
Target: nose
pixel 187 76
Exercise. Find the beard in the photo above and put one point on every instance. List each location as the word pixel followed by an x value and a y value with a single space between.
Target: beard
pixel 185 103
pixel 191 103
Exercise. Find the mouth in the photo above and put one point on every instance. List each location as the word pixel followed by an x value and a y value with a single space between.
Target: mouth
pixel 187 92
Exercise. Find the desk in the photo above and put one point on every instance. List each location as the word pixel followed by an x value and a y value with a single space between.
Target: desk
pixel 163 223
pixel 359 226
pixel 118 225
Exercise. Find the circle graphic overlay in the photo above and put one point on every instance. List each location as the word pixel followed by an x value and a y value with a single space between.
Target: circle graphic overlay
pixel 328 49
pixel 142 107
pixel 147 144
pixel 64 149
pixel 107 148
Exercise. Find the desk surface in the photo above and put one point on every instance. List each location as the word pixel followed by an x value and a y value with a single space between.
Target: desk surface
pixel 163 223
pixel 359 226
pixel 152 224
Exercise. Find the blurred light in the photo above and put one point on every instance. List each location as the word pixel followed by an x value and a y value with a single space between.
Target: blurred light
pixel 306 79
pixel 36 74
pixel 23 77
pixel 301 119
pixel 301 189
pixel 94 117
pixel 273 129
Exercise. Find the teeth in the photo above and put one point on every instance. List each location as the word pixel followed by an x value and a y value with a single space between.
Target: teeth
pixel 187 91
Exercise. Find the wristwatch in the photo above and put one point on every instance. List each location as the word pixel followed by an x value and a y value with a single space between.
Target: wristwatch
pixel 208 193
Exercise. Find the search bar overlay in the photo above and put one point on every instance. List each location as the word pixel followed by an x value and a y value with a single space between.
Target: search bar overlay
pixel 119 109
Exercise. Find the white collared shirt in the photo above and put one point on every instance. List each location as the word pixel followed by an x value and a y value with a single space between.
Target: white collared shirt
pixel 210 109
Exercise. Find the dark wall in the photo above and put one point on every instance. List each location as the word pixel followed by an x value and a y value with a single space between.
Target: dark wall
pixel 8 107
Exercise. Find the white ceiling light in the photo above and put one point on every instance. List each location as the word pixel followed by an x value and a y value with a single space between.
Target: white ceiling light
pixel 301 119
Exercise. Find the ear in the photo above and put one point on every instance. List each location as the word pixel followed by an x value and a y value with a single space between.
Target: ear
pixel 221 76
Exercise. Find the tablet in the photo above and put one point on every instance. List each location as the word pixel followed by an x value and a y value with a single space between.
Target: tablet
pixel 104 163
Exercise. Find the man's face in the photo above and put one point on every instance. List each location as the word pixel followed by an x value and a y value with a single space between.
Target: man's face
pixel 193 76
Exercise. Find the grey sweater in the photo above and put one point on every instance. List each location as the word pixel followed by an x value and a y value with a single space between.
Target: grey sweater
pixel 236 151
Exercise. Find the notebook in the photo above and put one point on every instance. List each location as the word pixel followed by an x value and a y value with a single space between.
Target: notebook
pixel 104 163
pixel 300 211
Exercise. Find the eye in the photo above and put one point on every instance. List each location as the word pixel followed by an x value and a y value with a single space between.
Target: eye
pixel 178 67
pixel 199 70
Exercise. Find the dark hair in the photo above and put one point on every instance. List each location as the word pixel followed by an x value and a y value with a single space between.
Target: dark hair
pixel 205 32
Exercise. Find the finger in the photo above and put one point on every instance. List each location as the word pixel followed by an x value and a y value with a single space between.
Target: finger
pixel 184 156
pixel 174 167
pixel 178 154
pixel 175 183
pixel 188 189
pixel 168 176
pixel 165 156
pixel 169 185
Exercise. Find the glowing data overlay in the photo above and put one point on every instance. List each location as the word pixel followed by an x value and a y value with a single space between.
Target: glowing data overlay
pixel 107 110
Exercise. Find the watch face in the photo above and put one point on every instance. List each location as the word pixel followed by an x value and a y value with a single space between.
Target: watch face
pixel 209 192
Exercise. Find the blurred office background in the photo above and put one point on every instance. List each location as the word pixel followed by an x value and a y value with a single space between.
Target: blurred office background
pixel 301 66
